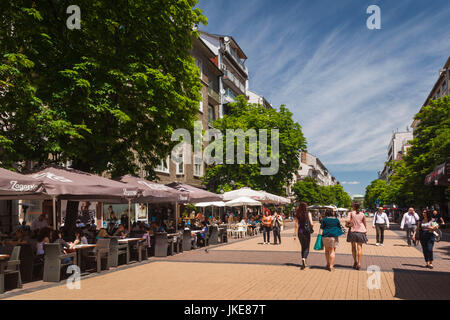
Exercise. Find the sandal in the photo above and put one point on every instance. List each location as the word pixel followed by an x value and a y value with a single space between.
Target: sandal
pixel 355 265
pixel 358 267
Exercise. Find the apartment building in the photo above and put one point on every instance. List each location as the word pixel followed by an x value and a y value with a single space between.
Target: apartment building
pixel 311 166
pixel 257 99
pixel 398 147
pixel 231 61
pixel 440 89
pixel 169 171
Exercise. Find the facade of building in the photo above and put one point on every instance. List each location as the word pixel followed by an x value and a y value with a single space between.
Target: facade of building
pixel 311 166
pixel 358 198
pixel 440 89
pixel 398 146
pixel 257 99
pixel 231 61
pixel 169 171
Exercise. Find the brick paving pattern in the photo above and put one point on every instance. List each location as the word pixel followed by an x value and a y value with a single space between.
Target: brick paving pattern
pixel 246 269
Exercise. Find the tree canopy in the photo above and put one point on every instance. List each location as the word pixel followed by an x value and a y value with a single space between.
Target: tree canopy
pixel 309 191
pixel 429 148
pixel 247 116
pixel 100 96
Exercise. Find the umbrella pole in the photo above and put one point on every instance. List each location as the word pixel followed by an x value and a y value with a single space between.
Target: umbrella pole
pixel 129 215
pixel 177 214
pixel 54 212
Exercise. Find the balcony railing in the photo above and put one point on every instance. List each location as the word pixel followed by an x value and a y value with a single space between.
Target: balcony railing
pixel 235 58
pixel 213 94
pixel 230 76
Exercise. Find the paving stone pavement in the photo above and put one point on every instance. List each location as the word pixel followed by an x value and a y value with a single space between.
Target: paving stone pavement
pixel 246 269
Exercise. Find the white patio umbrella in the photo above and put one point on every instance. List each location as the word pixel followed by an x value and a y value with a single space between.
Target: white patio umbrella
pixel 244 192
pixel 210 204
pixel 243 201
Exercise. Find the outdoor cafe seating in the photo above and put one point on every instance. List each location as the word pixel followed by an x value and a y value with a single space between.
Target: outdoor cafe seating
pixel 10 265
pixel 54 262
pixel 117 250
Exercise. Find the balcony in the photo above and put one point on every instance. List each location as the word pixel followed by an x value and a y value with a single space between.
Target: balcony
pixel 236 59
pixel 214 95
pixel 230 79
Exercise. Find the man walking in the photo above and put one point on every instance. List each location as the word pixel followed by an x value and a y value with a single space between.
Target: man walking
pixel 277 222
pixel 409 222
pixel 380 223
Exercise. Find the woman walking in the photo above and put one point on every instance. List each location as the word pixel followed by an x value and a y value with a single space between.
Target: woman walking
pixel 303 229
pixel 426 229
pixel 332 229
pixel 357 234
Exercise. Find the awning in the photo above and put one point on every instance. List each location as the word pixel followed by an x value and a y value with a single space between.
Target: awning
pixel 440 175
pixel 196 194
pixel 70 184
pixel 12 183
pixel 154 192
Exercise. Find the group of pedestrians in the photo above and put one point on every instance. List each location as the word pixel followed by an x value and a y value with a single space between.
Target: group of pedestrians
pixel 331 231
pixel 418 229
pixel 423 230
pixel 274 224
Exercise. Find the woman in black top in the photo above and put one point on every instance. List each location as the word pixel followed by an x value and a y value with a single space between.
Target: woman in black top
pixel 303 229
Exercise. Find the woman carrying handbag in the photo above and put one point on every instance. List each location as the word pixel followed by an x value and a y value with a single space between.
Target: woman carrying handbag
pixel 303 229
pixel 357 234
pixel 332 229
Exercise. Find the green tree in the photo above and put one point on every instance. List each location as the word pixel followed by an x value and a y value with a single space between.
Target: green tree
pixel 247 116
pixel 102 95
pixel 429 148
pixel 307 190
pixel 377 190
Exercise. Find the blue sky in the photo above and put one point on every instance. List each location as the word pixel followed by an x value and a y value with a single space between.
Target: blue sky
pixel 349 87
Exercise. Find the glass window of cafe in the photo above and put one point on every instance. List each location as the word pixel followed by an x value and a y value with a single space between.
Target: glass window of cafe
pixel 118 214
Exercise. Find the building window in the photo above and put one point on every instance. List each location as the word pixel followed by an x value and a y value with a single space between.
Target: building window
pixel 163 166
pixel 200 108
pixel 211 114
pixel 199 64
pixel 180 165
pixel 198 166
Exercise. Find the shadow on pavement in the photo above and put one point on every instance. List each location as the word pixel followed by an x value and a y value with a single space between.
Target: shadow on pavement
pixel 414 265
pixel 417 284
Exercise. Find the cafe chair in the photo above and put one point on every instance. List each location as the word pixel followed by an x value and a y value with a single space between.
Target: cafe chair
pixel 100 253
pixel 117 250
pixel 179 244
pixel 53 262
pixel 214 236
pixel 187 240
pixel 13 267
pixel 161 244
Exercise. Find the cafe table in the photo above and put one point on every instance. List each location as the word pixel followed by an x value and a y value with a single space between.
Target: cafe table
pixel 79 248
pixel 138 245
pixel 4 258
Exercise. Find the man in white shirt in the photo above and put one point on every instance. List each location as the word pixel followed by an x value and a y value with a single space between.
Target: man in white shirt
pixel 380 222
pixel 39 223
pixel 409 222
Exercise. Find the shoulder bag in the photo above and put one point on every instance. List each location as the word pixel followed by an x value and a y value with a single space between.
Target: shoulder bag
pixel 319 243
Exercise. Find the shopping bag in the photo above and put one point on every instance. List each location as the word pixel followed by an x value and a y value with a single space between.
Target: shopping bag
pixel 319 243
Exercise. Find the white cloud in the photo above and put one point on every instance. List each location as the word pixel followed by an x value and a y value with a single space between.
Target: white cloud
pixel 350 182
pixel 353 87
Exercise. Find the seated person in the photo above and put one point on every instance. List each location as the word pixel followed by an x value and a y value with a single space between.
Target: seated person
pixel 39 223
pixel 20 237
pixel 41 240
pixel 111 228
pixel 57 236
pixel 121 232
pixel 102 234
pixel 80 238
pixel 201 236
